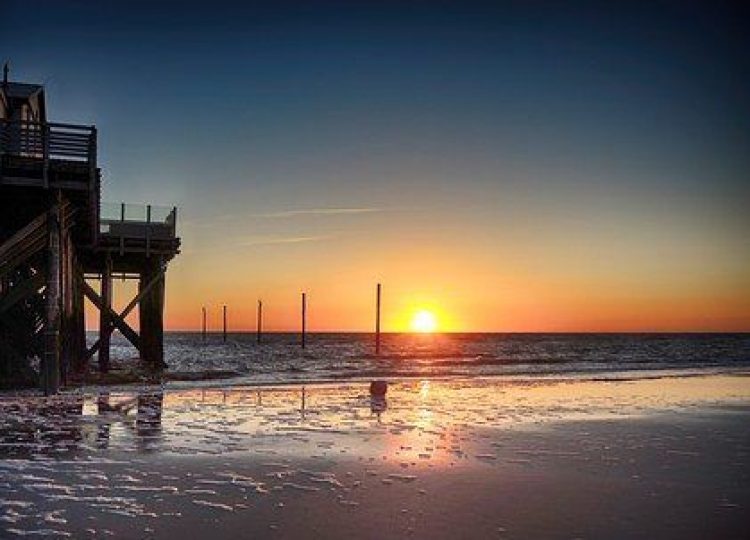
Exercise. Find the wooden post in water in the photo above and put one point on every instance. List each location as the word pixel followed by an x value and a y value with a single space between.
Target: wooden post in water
pixel 259 321
pixel 204 323
pixel 377 320
pixel 304 317
pixel 225 324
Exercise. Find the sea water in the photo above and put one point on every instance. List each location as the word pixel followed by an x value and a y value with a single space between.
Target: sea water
pixel 279 357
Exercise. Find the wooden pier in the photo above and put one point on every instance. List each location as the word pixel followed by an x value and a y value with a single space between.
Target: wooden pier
pixel 56 237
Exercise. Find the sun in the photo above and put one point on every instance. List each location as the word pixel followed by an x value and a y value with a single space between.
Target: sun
pixel 424 322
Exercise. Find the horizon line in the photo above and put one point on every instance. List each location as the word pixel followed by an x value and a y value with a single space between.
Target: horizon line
pixel 454 332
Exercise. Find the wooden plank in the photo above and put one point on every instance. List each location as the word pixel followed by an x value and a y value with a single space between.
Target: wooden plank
pixel 29 241
pixel 59 146
pixel 16 259
pixel 35 224
pixel 70 136
pixel 93 350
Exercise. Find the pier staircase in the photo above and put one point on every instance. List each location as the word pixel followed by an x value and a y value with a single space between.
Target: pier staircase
pixel 23 282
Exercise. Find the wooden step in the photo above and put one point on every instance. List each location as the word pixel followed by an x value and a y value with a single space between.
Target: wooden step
pixel 29 240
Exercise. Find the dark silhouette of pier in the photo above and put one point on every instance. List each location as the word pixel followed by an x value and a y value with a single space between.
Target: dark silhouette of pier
pixel 56 236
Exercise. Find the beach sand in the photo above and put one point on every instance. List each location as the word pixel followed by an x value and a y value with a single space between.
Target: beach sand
pixel 495 458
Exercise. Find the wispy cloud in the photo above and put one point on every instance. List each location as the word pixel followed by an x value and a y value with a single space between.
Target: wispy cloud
pixel 277 240
pixel 319 212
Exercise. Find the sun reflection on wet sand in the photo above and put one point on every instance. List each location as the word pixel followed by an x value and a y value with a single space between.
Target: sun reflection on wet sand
pixel 420 426
pixel 214 420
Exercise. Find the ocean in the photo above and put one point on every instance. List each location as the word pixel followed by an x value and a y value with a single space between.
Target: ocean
pixel 345 356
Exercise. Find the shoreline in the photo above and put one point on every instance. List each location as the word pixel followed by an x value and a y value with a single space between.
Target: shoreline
pixel 214 380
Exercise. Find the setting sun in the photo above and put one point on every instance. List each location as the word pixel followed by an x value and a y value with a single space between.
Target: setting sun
pixel 424 321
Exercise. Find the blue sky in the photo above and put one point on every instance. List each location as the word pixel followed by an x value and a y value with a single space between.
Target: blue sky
pixel 563 135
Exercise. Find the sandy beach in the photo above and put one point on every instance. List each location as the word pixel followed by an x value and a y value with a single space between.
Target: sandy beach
pixel 507 458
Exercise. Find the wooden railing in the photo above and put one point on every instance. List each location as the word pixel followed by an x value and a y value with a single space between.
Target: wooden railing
pixel 144 224
pixel 49 141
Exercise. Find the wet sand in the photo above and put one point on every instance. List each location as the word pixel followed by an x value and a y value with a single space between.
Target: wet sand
pixel 664 458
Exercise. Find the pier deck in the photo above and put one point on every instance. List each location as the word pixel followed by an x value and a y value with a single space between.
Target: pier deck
pixel 55 235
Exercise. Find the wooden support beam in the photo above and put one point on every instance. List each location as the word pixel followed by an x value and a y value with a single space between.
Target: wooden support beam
pixel 105 317
pixel 23 244
pixel 151 309
pixel 78 324
pixel 377 319
pixel 304 318
pixel 143 291
pixel 68 344
pixel 93 350
pixel 203 327
pixel 91 294
pixel 19 236
pixel 50 369
pixel 116 320
pixel 224 333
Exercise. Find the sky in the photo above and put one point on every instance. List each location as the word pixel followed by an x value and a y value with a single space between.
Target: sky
pixel 508 166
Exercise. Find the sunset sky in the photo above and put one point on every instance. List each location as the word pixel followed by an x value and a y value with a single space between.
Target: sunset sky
pixel 519 167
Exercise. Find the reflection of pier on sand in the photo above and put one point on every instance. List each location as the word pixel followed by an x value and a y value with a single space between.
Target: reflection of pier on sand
pixel 243 461
pixel 215 420
pixel 65 426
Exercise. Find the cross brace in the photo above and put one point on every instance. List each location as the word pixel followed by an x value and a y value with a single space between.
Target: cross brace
pixel 119 320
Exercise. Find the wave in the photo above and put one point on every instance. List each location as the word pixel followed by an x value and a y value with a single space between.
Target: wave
pixel 346 356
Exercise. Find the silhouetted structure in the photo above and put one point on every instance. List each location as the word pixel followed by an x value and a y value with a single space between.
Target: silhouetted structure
pixel 55 234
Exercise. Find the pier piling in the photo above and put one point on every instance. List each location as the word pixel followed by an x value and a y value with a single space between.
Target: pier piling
pixel 377 320
pixel 105 325
pixel 51 356
pixel 203 327
pixel 304 318
pixel 151 309
pixel 224 333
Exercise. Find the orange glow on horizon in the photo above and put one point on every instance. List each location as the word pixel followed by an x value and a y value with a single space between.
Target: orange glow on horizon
pixel 463 292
